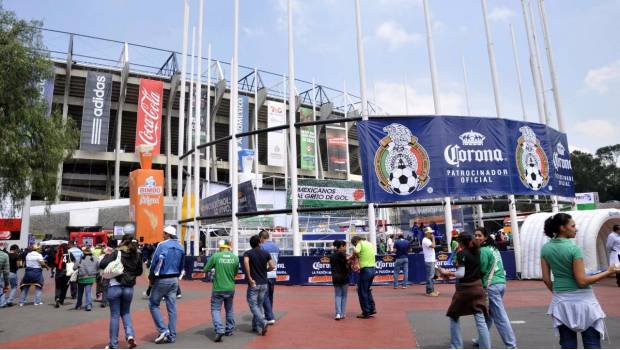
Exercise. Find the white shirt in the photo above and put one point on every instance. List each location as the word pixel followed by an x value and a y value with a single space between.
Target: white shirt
pixel 429 253
pixel 390 245
pixel 33 259
pixel 613 247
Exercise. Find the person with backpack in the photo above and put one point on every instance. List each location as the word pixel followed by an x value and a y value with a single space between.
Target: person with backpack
pixel 87 273
pixel 119 293
pixel 60 260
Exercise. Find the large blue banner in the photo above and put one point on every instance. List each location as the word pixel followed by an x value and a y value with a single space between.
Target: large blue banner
pixel 405 158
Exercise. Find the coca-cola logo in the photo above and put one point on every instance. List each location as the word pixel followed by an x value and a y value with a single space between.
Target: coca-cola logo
pixel 149 107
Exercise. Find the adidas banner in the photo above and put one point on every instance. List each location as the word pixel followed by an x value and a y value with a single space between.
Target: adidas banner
pixel 96 112
pixel 405 158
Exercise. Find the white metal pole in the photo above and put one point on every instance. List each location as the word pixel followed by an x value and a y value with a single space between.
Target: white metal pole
pixel 491 59
pixel 232 157
pixel 533 64
pixel 285 135
pixel 292 159
pixel 346 127
pixel 24 230
pixel 197 129
pixel 182 110
pixel 208 124
pixel 518 69
pixel 372 222
pixel 554 79
pixel 255 137
pixel 437 103
pixel 316 136
pixel 190 122
pixel 406 97
pixel 538 65
pixel 465 83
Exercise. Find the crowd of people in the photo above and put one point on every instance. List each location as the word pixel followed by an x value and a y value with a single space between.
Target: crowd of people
pixel 479 289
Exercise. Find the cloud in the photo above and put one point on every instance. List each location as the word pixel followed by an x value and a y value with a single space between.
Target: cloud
pixel 573 148
pixel 391 98
pixel 252 32
pixel 501 14
pixel 603 131
pixel 399 3
pixel 396 35
pixel 599 79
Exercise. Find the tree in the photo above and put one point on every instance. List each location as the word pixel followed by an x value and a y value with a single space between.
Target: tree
pixel 595 174
pixel 609 154
pixel 32 145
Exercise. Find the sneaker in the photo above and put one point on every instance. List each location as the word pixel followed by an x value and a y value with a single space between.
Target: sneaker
pixel 131 342
pixel 474 342
pixel 179 296
pixel 88 308
pixel 264 331
pixel 9 304
pixel 163 337
pixel 364 316
pixel 271 322
pixel 404 287
pixel 432 294
pixel 337 318
pixel 218 338
pixel 57 305
pixel 372 312
pixel 20 304
pixel 37 304
pixel 228 334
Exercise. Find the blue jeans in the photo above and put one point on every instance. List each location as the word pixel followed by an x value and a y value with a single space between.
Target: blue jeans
pixel 484 339
pixel 568 338
pixel 364 292
pixel 38 292
pixel 119 298
pixel 217 298
pixel 268 303
pixel 84 288
pixel 499 316
pixel 256 297
pixel 401 264
pixel 341 292
pixel 10 297
pixel 165 288
pixel 430 273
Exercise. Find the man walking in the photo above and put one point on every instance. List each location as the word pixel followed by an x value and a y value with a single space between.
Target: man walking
pixel 5 272
pixel 272 248
pixel 428 248
pixel 365 251
pixel 226 265
pixel 402 261
pixel 613 249
pixel 256 263
pixel 166 266
pixel 14 264
pixel 75 254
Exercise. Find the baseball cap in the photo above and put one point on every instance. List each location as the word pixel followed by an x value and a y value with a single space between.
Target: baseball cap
pixel 171 230
pixel 223 244
pixel 428 229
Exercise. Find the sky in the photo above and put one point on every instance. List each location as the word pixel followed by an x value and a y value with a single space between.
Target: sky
pixel 583 37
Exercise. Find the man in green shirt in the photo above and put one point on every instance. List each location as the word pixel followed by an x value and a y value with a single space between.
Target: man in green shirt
pixel 365 251
pixel 226 266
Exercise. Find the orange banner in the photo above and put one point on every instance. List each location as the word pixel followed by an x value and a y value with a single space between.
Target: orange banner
pixel 146 204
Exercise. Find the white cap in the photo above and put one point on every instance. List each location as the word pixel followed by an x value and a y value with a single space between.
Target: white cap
pixel 171 230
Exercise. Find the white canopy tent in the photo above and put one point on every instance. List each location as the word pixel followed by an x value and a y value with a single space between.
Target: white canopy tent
pixel 593 228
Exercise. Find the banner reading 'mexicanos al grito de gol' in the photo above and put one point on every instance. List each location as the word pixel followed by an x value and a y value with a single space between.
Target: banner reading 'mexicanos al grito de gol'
pixel 405 158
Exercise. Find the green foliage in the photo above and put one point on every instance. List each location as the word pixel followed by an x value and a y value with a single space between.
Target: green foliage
pixel 598 173
pixel 31 145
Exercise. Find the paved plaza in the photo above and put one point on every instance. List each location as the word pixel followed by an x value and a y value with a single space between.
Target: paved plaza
pixel 406 319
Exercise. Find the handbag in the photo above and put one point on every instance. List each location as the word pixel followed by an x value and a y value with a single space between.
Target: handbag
pixel 74 276
pixel 114 268
pixel 69 268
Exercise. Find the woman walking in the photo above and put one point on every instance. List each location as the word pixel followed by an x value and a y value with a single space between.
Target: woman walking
pixel 120 290
pixel 33 276
pixel 574 307
pixel 340 277
pixel 469 297
pixel 61 258
pixel 494 281
pixel 87 273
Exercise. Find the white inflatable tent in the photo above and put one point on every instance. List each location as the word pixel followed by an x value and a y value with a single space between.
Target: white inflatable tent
pixel 593 228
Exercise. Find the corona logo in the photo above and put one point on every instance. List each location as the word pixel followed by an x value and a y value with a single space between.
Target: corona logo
pixel 472 138
pixel 388 258
pixel 325 259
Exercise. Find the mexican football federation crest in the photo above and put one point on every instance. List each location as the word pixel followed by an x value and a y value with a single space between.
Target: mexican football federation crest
pixel 532 162
pixel 401 163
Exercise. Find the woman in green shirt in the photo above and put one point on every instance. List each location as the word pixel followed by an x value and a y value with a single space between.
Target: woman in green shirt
pixel 574 307
pixel 494 281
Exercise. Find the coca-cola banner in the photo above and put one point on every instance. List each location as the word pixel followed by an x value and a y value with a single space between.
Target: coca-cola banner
pixel 150 100
pixel 405 158
pixel 96 112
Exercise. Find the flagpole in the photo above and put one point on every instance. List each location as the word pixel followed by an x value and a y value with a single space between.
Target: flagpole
pixel 208 123
pixel 197 127
pixel 292 159
pixel 233 156
pixel 372 226
pixel 190 120
pixel 466 85
pixel 182 111
pixel 437 103
pixel 518 69
pixel 316 136
pixel 346 127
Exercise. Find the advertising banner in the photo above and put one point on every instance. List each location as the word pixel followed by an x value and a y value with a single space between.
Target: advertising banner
pixel 336 149
pixel 407 158
pixel 96 112
pixel 150 102
pixel 46 88
pixel 276 140
pixel 243 121
pixel 146 204
pixel 327 193
pixel 221 202
pixel 307 141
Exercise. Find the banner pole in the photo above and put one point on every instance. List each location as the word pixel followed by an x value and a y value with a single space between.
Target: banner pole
pixel 190 121
pixel 208 123
pixel 232 157
pixel 182 111
pixel 197 127
pixel 466 85
pixel 518 69
pixel 293 135
pixel 316 136
pixel 255 137
pixel 346 128
pixel 372 226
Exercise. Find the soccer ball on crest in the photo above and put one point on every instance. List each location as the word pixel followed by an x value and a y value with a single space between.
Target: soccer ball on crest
pixel 534 177
pixel 403 180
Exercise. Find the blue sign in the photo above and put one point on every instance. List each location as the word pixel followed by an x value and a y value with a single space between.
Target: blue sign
pixel 405 158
